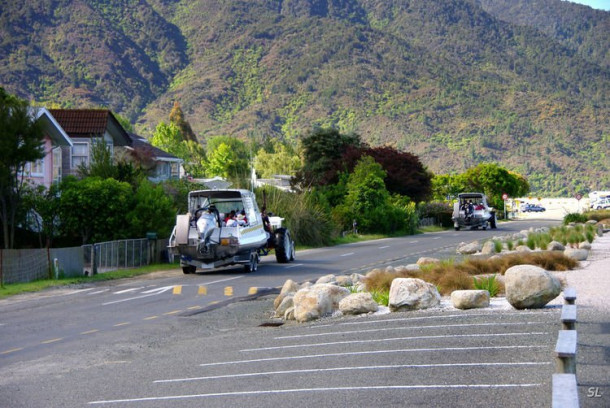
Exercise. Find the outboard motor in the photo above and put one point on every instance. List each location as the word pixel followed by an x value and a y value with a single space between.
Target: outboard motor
pixel 207 222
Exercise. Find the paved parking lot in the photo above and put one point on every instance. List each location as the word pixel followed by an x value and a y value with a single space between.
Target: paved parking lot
pixel 428 358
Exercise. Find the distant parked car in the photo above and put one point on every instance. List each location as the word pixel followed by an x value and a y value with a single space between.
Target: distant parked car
pixel 532 208
pixel 602 204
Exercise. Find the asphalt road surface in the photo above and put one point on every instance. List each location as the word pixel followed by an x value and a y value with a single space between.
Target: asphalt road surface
pixel 187 340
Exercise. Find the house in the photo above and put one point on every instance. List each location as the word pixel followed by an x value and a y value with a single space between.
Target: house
pixel 279 181
pixel 160 164
pixel 85 126
pixel 48 170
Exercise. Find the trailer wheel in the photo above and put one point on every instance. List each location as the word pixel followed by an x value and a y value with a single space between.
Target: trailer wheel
pixel 284 247
pixel 252 265
pixel 189 269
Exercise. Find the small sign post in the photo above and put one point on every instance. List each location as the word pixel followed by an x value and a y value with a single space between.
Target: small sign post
pixel 578 198
pixel 504 198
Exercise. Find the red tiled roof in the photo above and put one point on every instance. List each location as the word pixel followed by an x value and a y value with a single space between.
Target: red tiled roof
pixel 82 122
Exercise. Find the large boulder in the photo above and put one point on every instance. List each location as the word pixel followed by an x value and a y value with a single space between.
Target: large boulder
pixel 426 260
pixel 358 303
pixel 576 253
pixel 470 299
pixel 289 287
pixel 327 279
pixel 530 287
pixel 468 249
pixel 412 294
pixel 287 303
pixel 489 248
pixel 555 246
pixel 317 301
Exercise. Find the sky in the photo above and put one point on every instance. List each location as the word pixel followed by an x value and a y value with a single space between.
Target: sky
pixel 597 4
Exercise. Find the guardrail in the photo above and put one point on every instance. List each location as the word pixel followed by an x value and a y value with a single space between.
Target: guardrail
pixel 565 386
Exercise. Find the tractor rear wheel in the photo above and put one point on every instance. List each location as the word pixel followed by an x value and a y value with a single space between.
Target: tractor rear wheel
pixel 284 247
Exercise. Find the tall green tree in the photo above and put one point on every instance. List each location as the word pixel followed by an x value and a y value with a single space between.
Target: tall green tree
pixel 494 181
pixel 228 157
pixel 94 209
pixel 168 137
pixel 21 142
pixel 44 215
pixel 281 159
pixel 368 202
pixel 322 148
pixel 152 211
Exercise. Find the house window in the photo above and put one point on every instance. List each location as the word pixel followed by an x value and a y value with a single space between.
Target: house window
pixel 175 171
pixel 80 154
pixel 35 169
pixel 56 165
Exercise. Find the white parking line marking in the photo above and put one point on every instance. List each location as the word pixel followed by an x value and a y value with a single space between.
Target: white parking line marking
pixel 384 247
pixel 377 367
pixel 451 336
pixel 348 254
pixel 413 242
pixel 293 266
pixel 359 353
pixel 120 292
pixel 98 291
pixel 402 319
pixel 440 326
pixel 152 292
pixel 321 389
pixel 436 238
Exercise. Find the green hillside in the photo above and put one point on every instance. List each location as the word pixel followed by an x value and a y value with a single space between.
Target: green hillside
pixel 456 82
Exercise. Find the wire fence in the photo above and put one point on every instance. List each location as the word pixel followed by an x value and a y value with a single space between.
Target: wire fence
pixel 27 265
pixel 112 255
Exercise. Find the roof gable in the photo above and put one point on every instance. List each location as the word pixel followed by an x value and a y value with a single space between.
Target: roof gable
pixel 52 129
pixel 91 123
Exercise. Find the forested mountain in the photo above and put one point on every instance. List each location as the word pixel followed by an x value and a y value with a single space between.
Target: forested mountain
pixel 456 82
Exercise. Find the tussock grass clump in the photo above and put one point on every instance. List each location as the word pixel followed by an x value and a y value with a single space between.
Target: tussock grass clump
pixel 450 275
pixel 498 246
pixel 488 283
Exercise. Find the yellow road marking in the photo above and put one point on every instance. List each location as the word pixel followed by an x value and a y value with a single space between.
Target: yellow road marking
pixel 253 291
pixel 151 317
pixel 177 290
pixel 194 307
pixel 121 324
pixel 11 350
pixel 172 312
pixel 52 340
pixel 203 290
pixel 229 291
pixel 214 302
pixel 90 331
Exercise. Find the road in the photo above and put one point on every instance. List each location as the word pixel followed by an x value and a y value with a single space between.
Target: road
pixel 137 338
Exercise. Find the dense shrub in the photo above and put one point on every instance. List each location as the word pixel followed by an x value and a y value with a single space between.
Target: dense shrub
pixel 574 217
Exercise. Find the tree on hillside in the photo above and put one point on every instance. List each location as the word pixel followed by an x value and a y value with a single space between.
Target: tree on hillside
pixel 176 116
pixel 322 148
pixel 21 142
